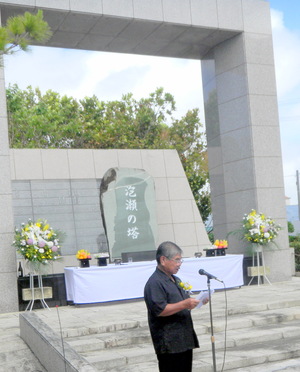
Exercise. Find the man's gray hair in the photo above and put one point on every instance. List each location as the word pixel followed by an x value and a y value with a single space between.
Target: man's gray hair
pixel 167 249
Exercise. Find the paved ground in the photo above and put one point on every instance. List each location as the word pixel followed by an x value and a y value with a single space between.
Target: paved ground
pixel 98 315
pixel 71 320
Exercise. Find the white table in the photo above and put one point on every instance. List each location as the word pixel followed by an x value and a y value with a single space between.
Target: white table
pixel 127 281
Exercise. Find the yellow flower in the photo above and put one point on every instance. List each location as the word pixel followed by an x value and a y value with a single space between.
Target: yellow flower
pixel 186 286
pixel 83 254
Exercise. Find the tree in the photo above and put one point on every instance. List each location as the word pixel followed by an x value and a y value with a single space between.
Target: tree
pixel 291 227
pixel 51 121
pixel 22 30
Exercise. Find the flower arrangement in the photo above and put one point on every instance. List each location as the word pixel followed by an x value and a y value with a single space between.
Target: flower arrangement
pixel 101 255
pixel 83 254
pixel 259 229
pixel 37 242
pixel 185 286
pixel 220 244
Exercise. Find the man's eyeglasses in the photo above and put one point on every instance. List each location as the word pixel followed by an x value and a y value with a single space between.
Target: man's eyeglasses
pixel 177 260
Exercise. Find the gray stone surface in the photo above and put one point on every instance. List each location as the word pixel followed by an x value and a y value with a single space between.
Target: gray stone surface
pixel 262 331
pixel 228 36
pixel 15 356
pixel 247 150
pixel 53 354
pixel 73 205
pixel 8 263
pixel 153 27
pixel 128 209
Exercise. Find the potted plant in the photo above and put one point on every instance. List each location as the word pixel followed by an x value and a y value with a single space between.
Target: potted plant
pixel 101 258
pixel 84 257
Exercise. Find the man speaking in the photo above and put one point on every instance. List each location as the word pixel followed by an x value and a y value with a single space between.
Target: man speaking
pixel 169 312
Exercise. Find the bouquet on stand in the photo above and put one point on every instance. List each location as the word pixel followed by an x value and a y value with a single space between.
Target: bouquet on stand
pixel 38 243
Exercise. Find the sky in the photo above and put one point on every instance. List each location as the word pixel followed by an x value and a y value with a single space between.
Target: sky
pixel 82 73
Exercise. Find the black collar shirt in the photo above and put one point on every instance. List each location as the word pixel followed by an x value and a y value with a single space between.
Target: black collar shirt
pixel 174 333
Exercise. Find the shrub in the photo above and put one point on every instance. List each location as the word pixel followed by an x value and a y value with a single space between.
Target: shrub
pixel 295 243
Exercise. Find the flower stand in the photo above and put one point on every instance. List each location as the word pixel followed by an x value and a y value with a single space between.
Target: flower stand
pixel 38 293
pixel 260 270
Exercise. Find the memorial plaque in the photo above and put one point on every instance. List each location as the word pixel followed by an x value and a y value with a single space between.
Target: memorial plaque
pixel 128 210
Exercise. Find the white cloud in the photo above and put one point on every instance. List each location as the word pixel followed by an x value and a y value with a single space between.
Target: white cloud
pixel 107 75
pixel 81 73
pixel 287 56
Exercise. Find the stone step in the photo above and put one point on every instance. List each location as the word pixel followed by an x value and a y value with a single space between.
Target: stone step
pixel 138 335
pixel 257 354
pixel 135 353
pixel 235 337
pixel 24 365
pixel 240 310
pixel 262 331
pixel 199 317
pixel 110 340
pixel 289 365
pixel 253 319
pixel 132 348
pixel 16 357
pixel 239 358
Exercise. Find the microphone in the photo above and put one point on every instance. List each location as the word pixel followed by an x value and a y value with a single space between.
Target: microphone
pixel 209 276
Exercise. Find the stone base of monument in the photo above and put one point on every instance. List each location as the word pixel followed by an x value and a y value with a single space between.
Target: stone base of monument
pixel 139 256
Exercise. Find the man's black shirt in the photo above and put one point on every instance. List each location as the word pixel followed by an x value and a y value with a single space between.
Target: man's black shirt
pixel 174 333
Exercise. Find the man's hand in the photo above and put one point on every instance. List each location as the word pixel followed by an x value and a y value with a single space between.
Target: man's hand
pixel 205 301
pixel 170 309
pixel 191 303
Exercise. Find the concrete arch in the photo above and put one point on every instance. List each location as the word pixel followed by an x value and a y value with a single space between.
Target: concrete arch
pixel 233 40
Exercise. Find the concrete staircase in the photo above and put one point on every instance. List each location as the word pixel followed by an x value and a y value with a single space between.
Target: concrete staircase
pixel 15 356
pixel 261 336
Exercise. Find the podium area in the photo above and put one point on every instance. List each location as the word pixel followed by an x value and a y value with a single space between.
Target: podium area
pixel 126 281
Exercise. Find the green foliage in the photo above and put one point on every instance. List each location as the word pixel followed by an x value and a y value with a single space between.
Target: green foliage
pixel 51 121
pixel 291 228
pixel 22 30
pixel 295 243
pixel 211 237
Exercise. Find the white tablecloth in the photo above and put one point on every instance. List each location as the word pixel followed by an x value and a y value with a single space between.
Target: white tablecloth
pixel 127 281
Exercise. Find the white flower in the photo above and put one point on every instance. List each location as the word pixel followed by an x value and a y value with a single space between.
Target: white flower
pixel 266 235
pixel 254 231
pixel 41 250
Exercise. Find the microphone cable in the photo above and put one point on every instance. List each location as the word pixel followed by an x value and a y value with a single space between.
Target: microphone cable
pixel 225 328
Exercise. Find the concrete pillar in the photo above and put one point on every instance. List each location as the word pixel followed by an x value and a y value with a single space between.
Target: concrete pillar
pixel 8 268
pixel 243 136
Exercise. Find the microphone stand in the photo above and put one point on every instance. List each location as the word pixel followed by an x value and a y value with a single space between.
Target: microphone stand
pixel 211 327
